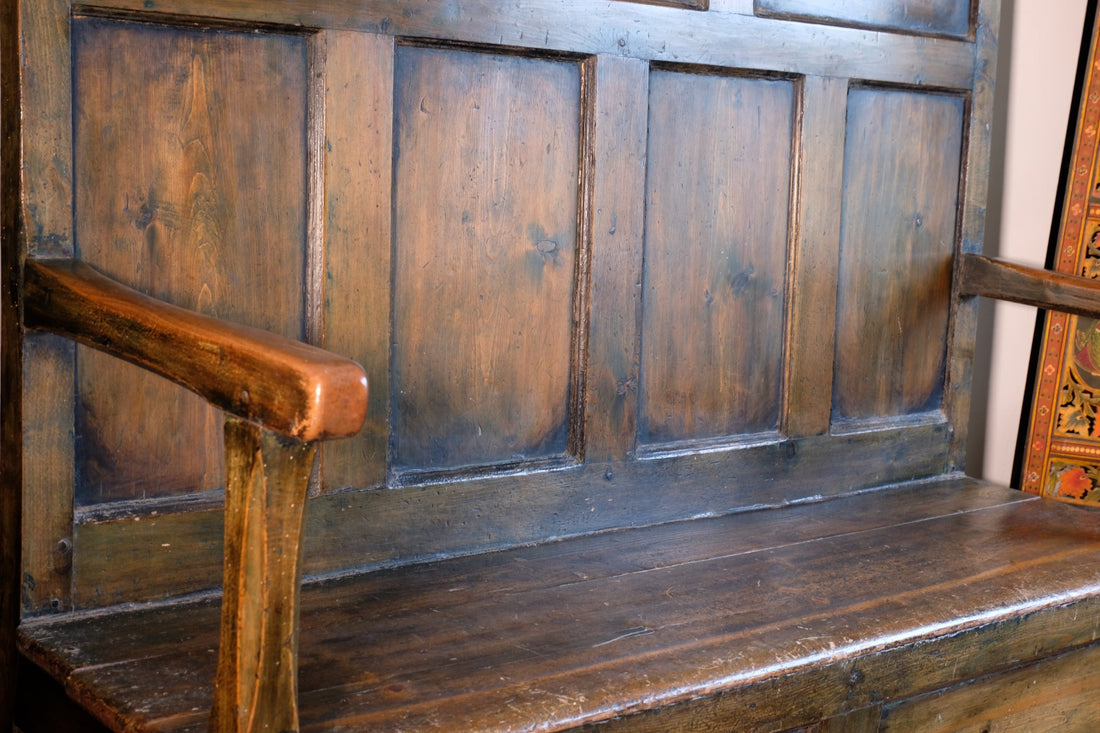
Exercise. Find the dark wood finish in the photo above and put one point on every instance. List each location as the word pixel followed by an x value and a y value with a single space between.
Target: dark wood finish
pixel 290 387
pixel 1057 694
pixel 46 578
pixel 979 275
pixel 11 366
pixel 35 217
pixel 759 619
pixel 656 302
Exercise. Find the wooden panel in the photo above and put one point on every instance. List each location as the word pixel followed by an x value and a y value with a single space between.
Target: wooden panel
pixel 948 17
pixel 719 37
pixel 200 201
pixel 485 246
pixel 622 87
pixel 901 188
pixel 717 207
pixel 358 184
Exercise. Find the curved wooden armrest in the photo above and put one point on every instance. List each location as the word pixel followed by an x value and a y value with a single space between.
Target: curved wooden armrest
pixel 286 386
pixel 993 278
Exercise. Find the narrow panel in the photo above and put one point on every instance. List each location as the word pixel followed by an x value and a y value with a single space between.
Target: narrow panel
pixel 944 17
pixel 817 250
pixel 200 201
pixel 617 231
pixel 485 239
pixel 901 186
pixel 717 203
pixel 358 174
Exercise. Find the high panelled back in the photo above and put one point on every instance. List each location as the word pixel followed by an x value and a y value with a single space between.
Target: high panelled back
pixel 561 236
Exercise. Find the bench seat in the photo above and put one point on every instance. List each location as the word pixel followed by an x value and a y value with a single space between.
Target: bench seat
pixel 760 620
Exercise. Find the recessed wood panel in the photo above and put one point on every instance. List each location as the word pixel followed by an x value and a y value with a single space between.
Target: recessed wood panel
pixel 943 17
pixel 486 191
pixel 190 181
pixel 717 206
pixel 900 194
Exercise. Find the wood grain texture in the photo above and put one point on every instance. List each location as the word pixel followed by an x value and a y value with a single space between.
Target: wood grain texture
pixel 1052 695
pixel 290 387
pixel 765 619
pixel 256 685
pixel 719 164
pixel 486 220
pixel 358 240
pixel 618 200
pixel 200 202
pixel 48 470
pixel 964 319
pixel 815 254
pixel 1034 286
pixel 36 157
pixel 728 38
pixel 900 194
pixel 11 358
pixel 939 17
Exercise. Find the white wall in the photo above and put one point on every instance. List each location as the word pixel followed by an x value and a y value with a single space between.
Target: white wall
pixel 1040 41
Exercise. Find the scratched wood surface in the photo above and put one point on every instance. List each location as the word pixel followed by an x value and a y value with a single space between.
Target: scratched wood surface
pixel 716 619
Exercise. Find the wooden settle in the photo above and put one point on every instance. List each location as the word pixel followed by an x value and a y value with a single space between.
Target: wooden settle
pixel 668 311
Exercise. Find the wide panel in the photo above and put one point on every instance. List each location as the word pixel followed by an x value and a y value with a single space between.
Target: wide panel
pixel 944 17
pixel 898 223
pixel 485 248
pixel 190 186
pixel 718 189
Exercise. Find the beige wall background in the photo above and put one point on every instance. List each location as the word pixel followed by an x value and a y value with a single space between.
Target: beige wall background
pixel 1040 42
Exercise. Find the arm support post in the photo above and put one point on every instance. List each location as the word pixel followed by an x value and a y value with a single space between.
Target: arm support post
pixel 283 397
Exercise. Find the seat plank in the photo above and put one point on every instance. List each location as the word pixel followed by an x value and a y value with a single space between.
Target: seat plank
pixel 790 614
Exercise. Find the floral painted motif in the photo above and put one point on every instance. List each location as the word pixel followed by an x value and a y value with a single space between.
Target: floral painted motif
pixel 1072 483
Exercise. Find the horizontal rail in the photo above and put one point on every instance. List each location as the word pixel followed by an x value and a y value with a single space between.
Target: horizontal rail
pixel 993 278
pixel 289 387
